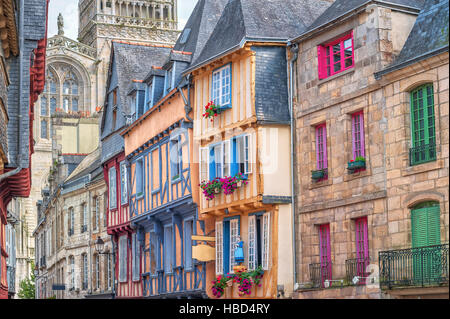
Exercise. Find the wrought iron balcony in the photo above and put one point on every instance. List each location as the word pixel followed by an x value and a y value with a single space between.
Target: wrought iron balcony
pixel 414 267
pixel 318 273
pixel 422 154
pixel 357 267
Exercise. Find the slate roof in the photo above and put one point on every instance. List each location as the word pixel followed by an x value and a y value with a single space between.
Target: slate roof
pixel 133 62
pixel 89 164
pixel 201 22
pixel 341 7
pixel 428 36
pixel 276 20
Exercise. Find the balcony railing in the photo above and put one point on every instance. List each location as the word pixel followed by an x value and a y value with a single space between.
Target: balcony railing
pixel 414 267
pixel 319 273
pixel 422 154
pixel 357 267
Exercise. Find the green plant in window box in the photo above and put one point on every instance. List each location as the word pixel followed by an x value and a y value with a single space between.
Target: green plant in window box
pixel 358 163
pixel 319 174
pixel 176 177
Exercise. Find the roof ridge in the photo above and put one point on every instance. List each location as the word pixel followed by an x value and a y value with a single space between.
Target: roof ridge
pixel 138 43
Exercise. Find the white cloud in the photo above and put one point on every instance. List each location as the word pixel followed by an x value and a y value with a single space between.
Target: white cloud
pixel 69 10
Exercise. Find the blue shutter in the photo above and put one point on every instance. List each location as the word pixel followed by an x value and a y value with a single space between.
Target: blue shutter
pixel 212 164
pixel 234 169
pixel 226 247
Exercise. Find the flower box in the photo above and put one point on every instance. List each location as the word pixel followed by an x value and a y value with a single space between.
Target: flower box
pixel 319 174
pixel 356 165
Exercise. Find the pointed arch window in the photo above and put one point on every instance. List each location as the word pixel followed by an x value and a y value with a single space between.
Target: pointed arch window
pixel 70 93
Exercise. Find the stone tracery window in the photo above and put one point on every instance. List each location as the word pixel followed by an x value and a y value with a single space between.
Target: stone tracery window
pixel 70 93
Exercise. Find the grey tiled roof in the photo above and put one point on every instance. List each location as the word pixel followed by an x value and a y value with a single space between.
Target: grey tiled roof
pixel 253 19
pixel 133 62
pixel 429 35
pixel 342 7
pixel 201 23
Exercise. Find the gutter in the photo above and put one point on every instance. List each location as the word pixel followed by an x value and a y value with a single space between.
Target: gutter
pixel 290 66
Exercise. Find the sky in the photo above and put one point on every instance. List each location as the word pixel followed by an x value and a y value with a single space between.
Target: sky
pixel 69 10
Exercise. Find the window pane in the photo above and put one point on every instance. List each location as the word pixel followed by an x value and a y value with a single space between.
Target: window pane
pixel 74 88
pixel 347 43
pixel 53 105
pixel 44 107
pixel 44 129
pixel 75 105
pixel 66 88
pixel 348 62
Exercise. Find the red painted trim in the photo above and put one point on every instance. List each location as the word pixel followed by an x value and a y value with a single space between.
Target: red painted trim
pixel 326 50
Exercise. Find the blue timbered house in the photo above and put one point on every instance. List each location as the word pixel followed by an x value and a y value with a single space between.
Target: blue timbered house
pixel 163 178
pixel 124 99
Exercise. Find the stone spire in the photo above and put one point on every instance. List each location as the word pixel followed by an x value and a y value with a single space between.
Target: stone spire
pixel 60 24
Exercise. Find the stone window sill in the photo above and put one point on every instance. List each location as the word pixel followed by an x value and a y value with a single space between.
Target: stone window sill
pixel 349 177
pixel 422 168
pixel 314 185
pixel 335 76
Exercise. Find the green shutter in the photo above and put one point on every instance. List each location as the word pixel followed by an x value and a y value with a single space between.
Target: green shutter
pixel 425 225
pixel 422 125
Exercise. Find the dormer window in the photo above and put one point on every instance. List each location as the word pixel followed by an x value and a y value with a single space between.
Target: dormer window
pixel 185 36
pixel 336 56
pixel 169 79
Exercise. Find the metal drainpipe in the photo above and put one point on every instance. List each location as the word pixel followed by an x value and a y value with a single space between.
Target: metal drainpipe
pixel 294 50
pixel 21 48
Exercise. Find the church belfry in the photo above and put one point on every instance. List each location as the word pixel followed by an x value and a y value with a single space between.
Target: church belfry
pixel 154 21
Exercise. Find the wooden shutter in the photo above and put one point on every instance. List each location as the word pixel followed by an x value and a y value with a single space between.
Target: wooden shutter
pixel 247 154
pixel 266 241
pixel 212 164
pixel 219 248
pixel 321 62
pixel 203 164
pixel 434 230
pixel 234 234
pixel 234 155
pixel 419 221
pixel 252 242
pixel 226 158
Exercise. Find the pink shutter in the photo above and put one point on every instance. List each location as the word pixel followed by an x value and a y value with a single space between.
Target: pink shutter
pixel 366 238
pixel 361 132
pixel 354 135
pixel 321 62
pixel 318 141
pixel 324 143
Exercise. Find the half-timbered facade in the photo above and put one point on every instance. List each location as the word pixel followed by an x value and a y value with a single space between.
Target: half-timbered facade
pixel 244 144
pixel 163 188
pixel 128 62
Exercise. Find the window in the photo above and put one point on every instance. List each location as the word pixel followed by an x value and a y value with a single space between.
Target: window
pixel 71 221
pixel 85 272
pixel 169 75
pixel 44 106
pixel 336 56
pixel 136 259
pixel 97 271
pixel 175 158
pixel 227 234
pixel 422 125
pixel 123 250
pixel 70 92
pixel 362 246
pixel 188 230
pixel 123 183
pixel 139 177
pixel 221 86
pixel 358 135
pixel 258 241
pixel 112 188
pixel 325 252
pixel 219 164
pixel 241 160
pixel 44 129
pixel 321 147
pixel 168 250
pixel 140 103
pixel 96 214
pixel 84 220
pixel 109 272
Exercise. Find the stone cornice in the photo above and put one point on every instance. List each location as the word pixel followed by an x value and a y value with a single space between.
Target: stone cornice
pixel 63 42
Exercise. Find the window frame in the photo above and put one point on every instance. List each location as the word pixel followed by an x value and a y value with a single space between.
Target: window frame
pixel 361 151
pixel 188 260
pixel 321 141
pixel 175 167
pixel 135 260
pixel 227 104
pixel 112 174
pixel 324 51
pixel 168 249
pixel 123 257
pixel 123 183
pixel 140 178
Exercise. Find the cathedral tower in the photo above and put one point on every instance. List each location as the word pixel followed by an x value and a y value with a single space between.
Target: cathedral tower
pixel 153 21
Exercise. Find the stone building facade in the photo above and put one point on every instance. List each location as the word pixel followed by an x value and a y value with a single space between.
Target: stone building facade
pixel 345 116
